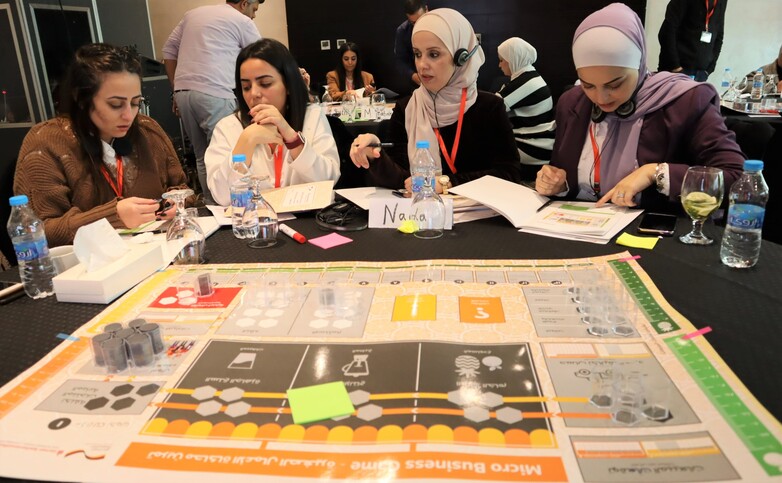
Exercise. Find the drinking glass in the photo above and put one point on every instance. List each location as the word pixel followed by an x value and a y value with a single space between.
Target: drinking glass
pixel 702 192
pixel 379 104
pixel 348 107
pixel 259 220
pixel 185 228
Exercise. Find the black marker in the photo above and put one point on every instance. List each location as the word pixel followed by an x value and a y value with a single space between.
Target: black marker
pixel 380 145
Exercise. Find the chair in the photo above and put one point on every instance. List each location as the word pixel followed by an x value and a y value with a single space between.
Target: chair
pixel 7 170
pixel 351 176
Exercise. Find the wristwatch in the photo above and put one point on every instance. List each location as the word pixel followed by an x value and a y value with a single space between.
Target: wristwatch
pixel 445 181
pixel 296 142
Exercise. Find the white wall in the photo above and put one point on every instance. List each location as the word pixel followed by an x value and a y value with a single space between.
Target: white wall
pixel 166 14
pixel 753 35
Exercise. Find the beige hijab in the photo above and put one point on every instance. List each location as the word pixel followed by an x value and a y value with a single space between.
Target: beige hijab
pixel 519 54
pixel 456 33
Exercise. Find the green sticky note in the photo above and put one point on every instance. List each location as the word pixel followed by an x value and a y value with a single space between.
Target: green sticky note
pixel 629 240
pixel 316 403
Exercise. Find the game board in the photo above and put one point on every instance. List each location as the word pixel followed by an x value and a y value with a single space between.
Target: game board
pixel 458 370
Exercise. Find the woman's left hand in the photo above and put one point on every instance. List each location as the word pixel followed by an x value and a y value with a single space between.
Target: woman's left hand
pixel 269 115
pixel 625 190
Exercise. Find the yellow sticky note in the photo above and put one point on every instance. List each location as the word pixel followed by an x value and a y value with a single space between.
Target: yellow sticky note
pixel 629 240
pixel 414 308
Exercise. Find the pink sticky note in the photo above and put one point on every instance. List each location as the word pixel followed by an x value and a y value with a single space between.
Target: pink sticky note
pixel 330 241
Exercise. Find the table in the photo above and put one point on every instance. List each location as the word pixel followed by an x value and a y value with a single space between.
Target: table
pixel 743 307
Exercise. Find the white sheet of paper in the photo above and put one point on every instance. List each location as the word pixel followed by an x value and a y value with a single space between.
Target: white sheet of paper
pixel 513 201
pixel 363 196
pixel 301 197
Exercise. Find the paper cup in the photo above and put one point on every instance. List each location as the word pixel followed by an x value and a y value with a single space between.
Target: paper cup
pixel 63 258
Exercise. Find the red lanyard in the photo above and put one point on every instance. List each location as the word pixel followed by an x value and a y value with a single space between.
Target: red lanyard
pixel 451 159
pixel 596 155
pixel 117 187
pixel 709 13
pixel 277 153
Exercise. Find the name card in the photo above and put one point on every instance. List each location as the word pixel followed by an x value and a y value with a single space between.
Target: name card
pixel 392 211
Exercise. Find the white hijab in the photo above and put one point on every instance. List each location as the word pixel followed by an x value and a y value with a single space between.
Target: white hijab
pixel 456 33
pixel 519 54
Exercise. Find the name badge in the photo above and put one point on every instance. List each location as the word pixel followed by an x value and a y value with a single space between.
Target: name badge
pixel 391 212
pixel 706 37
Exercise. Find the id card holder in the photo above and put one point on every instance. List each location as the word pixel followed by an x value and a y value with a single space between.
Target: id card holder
pixel 706 37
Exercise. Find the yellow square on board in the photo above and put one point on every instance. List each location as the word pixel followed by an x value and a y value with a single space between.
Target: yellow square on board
pixel 481 310
pixel 414 308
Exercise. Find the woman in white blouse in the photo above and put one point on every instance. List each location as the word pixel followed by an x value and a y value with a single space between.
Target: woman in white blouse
pixel 283 138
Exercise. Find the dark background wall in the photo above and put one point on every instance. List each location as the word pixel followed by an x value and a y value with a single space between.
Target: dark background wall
pixel 547 24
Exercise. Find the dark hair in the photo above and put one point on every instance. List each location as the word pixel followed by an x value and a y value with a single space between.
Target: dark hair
pixel 279 57
pixel 83 80
pixel 412 6
pixel 358 80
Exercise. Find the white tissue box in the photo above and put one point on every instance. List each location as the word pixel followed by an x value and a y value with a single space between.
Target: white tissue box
pixel 105 284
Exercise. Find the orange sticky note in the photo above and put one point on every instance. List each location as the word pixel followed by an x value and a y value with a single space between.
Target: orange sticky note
pixel 414 308
pixel 481 310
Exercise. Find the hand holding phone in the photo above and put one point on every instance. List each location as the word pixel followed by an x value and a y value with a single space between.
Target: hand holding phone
pixel 660 224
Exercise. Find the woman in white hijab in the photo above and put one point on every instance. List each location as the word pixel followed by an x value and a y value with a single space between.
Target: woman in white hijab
pixel 529 105
pixel 468 132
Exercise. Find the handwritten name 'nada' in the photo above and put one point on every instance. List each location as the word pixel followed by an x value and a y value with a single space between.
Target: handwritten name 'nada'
pixel 393 216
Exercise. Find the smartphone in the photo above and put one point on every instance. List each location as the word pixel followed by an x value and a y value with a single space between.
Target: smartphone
pixel 162 206
pixel 657 224
pixel 10 291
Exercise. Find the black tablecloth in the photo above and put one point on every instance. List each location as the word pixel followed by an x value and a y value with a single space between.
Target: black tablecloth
pixel 744 307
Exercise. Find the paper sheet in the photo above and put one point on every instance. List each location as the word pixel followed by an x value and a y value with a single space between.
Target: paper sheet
pixel 515 202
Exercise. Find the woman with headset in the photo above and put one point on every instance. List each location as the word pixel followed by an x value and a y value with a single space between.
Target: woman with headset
pixel 468 131
pixel 625 135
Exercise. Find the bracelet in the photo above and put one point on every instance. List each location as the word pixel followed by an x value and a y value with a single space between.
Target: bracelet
pixel 659 176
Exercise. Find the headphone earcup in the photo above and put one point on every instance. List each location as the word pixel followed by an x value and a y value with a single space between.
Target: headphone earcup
pixel 460 57
pixel 626 109
pixel 597 114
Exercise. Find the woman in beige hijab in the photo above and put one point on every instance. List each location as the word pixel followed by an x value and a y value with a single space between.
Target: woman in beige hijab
pixel 468 132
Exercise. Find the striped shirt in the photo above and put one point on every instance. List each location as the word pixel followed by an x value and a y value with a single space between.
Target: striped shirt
pixel 531 112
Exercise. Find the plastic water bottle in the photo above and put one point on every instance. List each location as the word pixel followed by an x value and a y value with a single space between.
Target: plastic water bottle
pixel 240 193
pixel 727 79
pixel 742 237
pixel 757 86
pixel 422 164
pixel 32 251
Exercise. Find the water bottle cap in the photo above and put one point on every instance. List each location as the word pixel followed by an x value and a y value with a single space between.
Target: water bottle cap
pixel 422 144
pixel 18 200
pixel 753 165
pixel 727 69
pixel 239 158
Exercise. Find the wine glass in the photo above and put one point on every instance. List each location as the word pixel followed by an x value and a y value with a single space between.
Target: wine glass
pixel 428 211
pixel 348 107
pixel 379 104
pixel 185 230
pixel 259 220
pixel 702 192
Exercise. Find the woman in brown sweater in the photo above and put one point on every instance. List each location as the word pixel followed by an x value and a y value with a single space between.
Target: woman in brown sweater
pixel 100 158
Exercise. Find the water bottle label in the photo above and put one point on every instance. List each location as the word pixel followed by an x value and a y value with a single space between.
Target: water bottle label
pixel 417 182
pixel 28 251
pixel 239 199
pixel 746 217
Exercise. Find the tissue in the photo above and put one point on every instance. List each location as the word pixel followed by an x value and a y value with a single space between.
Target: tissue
pixel 97 245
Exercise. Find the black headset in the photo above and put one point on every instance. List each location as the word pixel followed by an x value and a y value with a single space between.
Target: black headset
pixel 625 110
pixel 461 56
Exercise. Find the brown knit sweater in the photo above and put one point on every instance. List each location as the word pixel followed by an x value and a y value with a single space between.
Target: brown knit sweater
pixel 53 172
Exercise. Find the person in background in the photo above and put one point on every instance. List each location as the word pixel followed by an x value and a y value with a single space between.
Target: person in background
pixel 100 158
pixel 627 136
pixel 691 37
pixel 528 103
pixel 199 56
pixel 349 76
pixel 774 68
pixel 285 140
pixel 468 131
pixel 403 45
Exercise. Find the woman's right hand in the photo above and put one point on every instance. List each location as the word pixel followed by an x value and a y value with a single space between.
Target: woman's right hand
pixel 135 211
pixel 360 150
pixel 550 180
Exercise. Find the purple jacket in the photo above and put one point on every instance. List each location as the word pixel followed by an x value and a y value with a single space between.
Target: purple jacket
pixel 687 132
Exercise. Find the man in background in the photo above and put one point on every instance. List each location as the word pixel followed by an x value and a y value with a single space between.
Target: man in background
pixel 774 68
pixel 200 59
pixel 403 43
pixel 691 37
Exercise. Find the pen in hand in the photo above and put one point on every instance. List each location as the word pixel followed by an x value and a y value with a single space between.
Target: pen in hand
pixel 544 205
pixel 380 145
